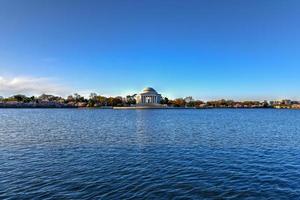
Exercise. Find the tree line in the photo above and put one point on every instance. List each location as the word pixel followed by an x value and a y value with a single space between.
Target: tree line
pixel 95 100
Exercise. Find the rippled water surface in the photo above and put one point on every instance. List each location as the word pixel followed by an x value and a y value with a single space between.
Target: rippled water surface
pixel 149 154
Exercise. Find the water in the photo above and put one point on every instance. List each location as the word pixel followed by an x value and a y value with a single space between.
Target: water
pixel 149 154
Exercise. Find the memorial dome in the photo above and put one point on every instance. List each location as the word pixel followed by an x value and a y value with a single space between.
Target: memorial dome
pixel 148 96
pixel 149 89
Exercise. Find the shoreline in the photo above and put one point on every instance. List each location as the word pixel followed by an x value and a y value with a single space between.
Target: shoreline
pixel 147 108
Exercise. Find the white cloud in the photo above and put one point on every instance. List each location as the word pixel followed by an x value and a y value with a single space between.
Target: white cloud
pixel 31 86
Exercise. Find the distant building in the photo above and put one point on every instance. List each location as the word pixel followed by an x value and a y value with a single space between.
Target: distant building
pixel 281 102
pixel 148 97
pixel 274 103
pixel 287 102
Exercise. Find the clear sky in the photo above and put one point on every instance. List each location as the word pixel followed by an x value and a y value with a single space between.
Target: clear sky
pixel 236 49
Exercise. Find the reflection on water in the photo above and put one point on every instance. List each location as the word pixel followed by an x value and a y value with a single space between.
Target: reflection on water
pixel 149 154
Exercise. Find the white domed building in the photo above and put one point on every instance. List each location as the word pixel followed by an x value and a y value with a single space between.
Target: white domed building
pixel 148 97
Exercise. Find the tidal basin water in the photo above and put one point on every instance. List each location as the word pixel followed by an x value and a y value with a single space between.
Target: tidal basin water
pixel 149 154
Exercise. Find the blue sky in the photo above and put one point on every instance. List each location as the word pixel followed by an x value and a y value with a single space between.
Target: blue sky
pixel 210 49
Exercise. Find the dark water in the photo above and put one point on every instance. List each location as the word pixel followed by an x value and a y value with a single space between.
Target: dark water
pixel 149 154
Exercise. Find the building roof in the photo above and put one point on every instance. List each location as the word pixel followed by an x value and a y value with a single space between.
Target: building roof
pixel 148 89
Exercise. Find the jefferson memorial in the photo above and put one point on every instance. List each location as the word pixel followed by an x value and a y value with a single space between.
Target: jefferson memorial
pixel 148 97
